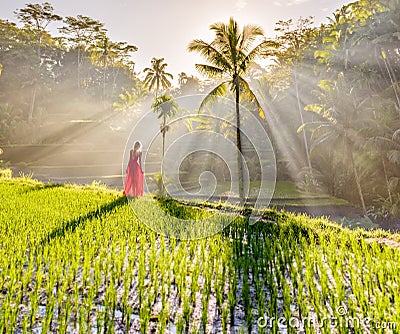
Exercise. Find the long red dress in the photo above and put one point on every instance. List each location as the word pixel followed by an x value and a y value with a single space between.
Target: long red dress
pixel 134 176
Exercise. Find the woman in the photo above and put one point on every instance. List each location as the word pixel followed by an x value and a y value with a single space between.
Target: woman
pixel 134 174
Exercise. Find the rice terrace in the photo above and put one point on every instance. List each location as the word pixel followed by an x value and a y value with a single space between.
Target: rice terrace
pixel 213 167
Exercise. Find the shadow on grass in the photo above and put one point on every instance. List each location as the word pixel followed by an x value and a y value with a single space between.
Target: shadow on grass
pixel 71 226
pixel 41 187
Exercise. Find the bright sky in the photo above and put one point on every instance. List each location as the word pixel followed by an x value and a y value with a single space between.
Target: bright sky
pixel 165 28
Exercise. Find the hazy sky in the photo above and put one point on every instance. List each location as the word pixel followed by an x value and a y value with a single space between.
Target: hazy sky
pixel 165 28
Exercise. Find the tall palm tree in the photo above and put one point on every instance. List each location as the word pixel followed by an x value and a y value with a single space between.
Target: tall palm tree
pixel 156 77
pixel 164 106
pixel 230 55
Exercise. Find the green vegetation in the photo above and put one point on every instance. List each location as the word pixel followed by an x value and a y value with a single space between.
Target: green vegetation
pixel 75 257
pixel 78 258
pixel 330 94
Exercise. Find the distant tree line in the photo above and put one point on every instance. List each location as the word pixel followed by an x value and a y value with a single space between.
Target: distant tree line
pixel 43 75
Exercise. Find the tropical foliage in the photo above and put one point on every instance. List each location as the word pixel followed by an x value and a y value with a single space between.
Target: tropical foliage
pixel 330 96
pixel 342 80
pixel 44 76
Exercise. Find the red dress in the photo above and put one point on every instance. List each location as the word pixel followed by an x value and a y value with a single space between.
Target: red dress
pixel 134 176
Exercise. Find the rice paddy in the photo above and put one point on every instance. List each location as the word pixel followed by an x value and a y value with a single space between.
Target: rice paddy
pixel 77 259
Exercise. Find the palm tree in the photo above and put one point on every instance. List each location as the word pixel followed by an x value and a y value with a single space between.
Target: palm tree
pixel 164 106
pixel 157 77
pixel 230 55
pixel 182 78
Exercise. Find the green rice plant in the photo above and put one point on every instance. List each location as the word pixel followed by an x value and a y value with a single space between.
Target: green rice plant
pixel 287 312
pixel 88 305
pixel 194 283
pixel 63 322
pixel 75 309
pixel 124 300
pixel 144 314
pixel 219 286
pixel 224 317
pixel 163 317
pixel 186 311
pixel 232 292
pixel 100 320
pixel 24 324
pixel 247 302
pixel 50 305
pixel 204 310
pixel 34 297
pixel 180 326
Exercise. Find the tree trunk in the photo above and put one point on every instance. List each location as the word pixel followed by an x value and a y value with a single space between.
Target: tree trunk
pixel 239 146
pixel 79 67
pixel 163 152
pixel 331 155
pixel 357 178
pixel 302 123
pixel 33 101
pixel 387 180
pixel 104 85
pixel 115 76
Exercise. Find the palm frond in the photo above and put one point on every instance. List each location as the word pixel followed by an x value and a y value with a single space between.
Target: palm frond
pixel 250 96
pixel 165 83
pixel 220 90
pixel 210 53
pixel 208 70
pixel 219 28
pixel 394 156
pixel 249 34
pixel 378 143
pixel 319 141
pixel 169 75
pixel 310 126
pixel 396 135
pixel 322 129
pixel 252 55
